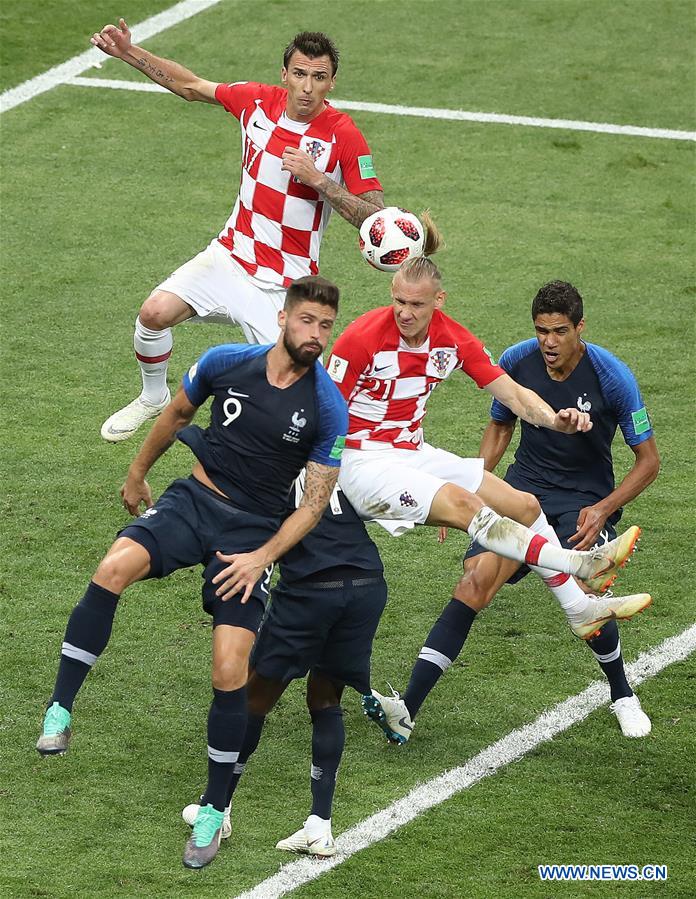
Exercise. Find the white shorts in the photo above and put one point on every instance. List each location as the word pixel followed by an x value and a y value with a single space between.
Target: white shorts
pixel 220 291
pixel 400 485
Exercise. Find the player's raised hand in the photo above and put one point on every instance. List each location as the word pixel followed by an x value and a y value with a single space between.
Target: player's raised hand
pixel 134 492
pixel 572 421
pixel 591 520
pixel 301 165
pixel 242 572
pixel 115 41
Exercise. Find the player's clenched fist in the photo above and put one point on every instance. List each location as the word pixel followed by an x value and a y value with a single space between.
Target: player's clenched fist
pixel 112 40
pixel 572 421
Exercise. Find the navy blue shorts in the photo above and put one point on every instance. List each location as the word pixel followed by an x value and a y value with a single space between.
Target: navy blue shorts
pixel 565 524
pixel 185 527
pixel 327 626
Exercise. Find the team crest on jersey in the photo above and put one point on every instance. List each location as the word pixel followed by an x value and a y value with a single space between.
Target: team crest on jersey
pixel 315 148
pixel 297 422
pixel 441 361
pixel 584 405
pixel 407 500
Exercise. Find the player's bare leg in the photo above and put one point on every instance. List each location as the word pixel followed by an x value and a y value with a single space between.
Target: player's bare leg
pixel 86 637
pixel 152 343
pixel 455 507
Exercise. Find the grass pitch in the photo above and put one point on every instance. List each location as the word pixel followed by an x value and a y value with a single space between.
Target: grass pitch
pixel 103 194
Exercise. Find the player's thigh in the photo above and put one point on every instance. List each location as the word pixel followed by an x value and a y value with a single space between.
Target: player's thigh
pixel 347 651
pixel 508 501
pixel 163 309
pixel 388 484
pixel 231 650
pixel 125 563
pixel 484 574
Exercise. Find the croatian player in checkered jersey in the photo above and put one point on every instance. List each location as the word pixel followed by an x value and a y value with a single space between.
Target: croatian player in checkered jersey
pixel 298 152
pixel 386 364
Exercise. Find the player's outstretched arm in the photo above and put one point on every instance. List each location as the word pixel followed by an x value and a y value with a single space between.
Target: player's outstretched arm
pixel 526 404
pixel 246 568
pixel 495 440
pixel 116 41
pixel 592 519
pixel 176 416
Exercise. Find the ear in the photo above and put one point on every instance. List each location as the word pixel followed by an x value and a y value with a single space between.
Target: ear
pixel 333 82
pixel 283 75
pixel 581 327
pixel 282 318
pixel 440 299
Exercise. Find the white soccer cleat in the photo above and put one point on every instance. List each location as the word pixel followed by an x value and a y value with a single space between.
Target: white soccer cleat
pixel 190 813
pixel 632 719
pixel 389 713
pixel 124 423
pixel 300 843
pixel 602 609
pixel 601 565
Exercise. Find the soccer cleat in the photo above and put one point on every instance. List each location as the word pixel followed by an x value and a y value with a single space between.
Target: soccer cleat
pixel 300 843
pixel 190 813
pixel 55 736
pixel 608 608
pixel 203 846
pixel 601 567
pixel 632 719
pixel 389 713
pixel 124 423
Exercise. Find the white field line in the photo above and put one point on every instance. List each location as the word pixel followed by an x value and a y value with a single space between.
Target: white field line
pixel 496 756
pixel 93 57
pixel 456 115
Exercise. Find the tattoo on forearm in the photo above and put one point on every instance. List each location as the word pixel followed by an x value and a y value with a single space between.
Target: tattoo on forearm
pixel 354 209
pixel 154 71
pixel 319 484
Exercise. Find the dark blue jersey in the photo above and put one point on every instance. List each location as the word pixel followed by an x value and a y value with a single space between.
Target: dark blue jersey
pixel 260 437
pixel 579 465
pixel 340 540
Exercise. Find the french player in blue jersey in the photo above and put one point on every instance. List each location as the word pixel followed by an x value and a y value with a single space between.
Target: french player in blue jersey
pixel 274 411
pixel 322 619
pixel 571 476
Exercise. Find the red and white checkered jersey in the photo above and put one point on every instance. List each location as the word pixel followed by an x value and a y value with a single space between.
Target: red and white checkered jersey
pixel 277 223
pixel 386 383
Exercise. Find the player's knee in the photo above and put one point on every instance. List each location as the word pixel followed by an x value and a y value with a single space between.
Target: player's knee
pixel 230 672
pixel 322 693
pixel 462 504
pixel 530 508
pixel 116 571
pixel 156 313
pixel 473 589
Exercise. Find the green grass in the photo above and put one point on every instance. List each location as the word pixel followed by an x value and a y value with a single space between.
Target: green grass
pixel 103 194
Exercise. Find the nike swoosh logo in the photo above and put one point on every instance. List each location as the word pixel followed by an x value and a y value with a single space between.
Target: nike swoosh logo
pixel 381 368
pixel 260 127
pixel 402 722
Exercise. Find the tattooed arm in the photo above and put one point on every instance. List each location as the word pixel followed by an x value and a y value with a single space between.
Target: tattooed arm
pixel 354 208
pixel 529 406
pixel 116 42
pixel 246 568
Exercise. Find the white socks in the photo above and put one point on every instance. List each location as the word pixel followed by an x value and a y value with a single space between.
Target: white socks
pixel 152 350
pixel 568 593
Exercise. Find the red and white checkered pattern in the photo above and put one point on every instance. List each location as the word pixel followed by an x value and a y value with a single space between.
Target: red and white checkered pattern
pixel 277 223
pixel 386 383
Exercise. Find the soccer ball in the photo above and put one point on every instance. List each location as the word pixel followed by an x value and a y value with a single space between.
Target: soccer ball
pixel 389 237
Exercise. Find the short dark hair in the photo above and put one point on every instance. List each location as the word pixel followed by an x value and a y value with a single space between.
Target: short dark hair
pixel 314 289
pixel 560 297
pixel 313 44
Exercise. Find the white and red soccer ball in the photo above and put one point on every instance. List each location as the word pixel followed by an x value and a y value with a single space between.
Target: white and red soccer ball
pixel 390 236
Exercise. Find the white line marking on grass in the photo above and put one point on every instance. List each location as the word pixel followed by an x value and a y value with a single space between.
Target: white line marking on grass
pixel 457 115
pixel 87 60
pixel 509 749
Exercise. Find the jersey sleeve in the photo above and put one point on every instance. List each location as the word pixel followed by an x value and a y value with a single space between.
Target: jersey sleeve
pixel 621 390
pixel 349 359
pixel 333 422
pixel 198 380
pixel 357 165
pixel 475 359
pixel 237 96
pixel 508 361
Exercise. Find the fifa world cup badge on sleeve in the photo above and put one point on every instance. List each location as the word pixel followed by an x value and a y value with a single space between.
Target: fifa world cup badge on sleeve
pixel 641 421
pixel 338 447
pixel 367 167
pixel 337 368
